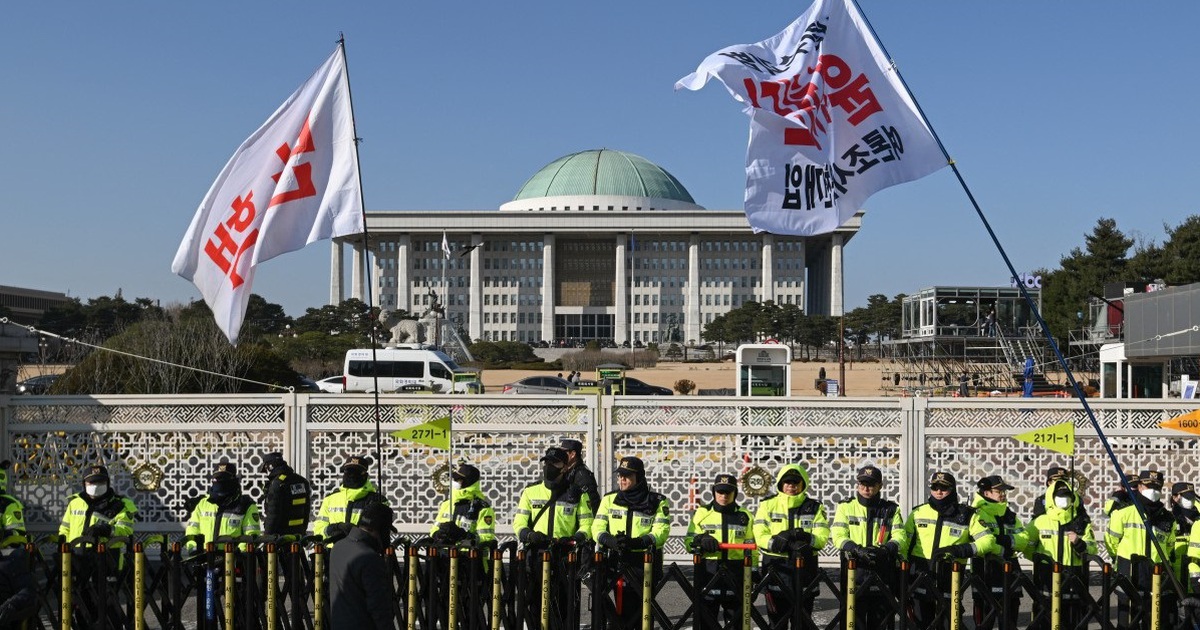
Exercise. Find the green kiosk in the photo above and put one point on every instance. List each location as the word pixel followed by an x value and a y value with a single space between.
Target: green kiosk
pixel 764 369
pixel 613 375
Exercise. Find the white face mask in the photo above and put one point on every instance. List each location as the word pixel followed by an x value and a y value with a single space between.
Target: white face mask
pixel 1062 502
pixel 1151 494
pixel 1186 503
pixel 455 485
pixel 95 489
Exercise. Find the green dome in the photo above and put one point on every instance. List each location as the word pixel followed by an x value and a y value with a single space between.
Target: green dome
pixel 604 172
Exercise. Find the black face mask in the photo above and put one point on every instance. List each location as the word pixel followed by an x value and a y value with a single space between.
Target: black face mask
pixel 550 472
pixel 354 479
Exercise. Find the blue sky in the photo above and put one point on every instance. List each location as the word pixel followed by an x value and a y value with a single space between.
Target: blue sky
pixel 116 118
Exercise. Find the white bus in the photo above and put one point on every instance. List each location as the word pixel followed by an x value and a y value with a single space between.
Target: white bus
pixel 407 365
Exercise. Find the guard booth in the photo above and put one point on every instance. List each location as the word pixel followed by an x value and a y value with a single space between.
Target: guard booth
pixel 472 380
pixel 589 386
pixel 614 375
pixel 764 369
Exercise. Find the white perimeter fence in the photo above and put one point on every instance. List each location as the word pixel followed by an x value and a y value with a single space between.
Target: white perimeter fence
pixel 160 449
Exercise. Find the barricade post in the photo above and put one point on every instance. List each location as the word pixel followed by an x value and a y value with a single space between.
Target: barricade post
pixel 272 585
pixel 955 596
pixel 64 552
pixel 1056 597
pixel 497 558
pixel 452 599
pixel 851 592
pixel 1156 597
pixel 647 587
pixel 319 586
pixel 139 587
pixel 229 585
pixel 545 603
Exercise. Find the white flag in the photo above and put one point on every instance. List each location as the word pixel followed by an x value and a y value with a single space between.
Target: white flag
pixel 830 121
pixel 291 183
pixel 445 247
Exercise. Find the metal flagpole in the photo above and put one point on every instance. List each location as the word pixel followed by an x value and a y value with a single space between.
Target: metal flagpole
pixel 366 258
pixel 1012 270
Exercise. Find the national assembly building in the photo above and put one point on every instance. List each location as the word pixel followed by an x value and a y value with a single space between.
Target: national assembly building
pixel 597 245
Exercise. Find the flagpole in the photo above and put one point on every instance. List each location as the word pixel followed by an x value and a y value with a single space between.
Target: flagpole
pixel 1062 361
pixel 370 281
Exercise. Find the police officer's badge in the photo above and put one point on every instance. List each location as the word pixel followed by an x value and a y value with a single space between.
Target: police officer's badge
pixel 756 482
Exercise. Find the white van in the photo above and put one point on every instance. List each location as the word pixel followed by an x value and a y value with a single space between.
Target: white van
pixel 408 364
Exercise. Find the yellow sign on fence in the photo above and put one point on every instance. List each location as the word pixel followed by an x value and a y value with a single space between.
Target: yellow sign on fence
pixel 1059 437
pixel 435 433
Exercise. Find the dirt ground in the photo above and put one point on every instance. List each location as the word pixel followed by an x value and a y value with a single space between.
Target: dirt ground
pixel 862 379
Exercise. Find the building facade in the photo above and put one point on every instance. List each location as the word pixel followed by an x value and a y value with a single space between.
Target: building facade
pixel 597 245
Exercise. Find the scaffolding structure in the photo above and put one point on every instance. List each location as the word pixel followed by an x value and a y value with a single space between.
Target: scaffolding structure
pixel 969 339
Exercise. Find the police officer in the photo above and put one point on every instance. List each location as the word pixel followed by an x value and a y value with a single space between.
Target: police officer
pixel 991 503
pixel 342 508
pixel 940 530
pixel 224 511
pixel 630 522
pixel 287 501
pixel 1053 474
pixel 719 576
pixel 790 524
pixel 578 474
pixel 97 511
pixel 1061 534
pixel 551 511
pixel 1183 508
pixel 467 517
pixel 870 529
pixel 12 513
pixel 1120 497
pixel 1135 551
pixel 360 591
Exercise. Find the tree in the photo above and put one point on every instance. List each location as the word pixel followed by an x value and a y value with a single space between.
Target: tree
pixel 1182 249
pixel 350 317
pixel 1082 276
pixel 154 357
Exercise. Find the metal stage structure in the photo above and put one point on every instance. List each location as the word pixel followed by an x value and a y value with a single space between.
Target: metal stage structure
pixel 972 339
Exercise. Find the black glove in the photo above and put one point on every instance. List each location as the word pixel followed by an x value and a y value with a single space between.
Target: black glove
pixel 706 543
pixel 957 551
pixel 889 550
pixel 337 531
pixel 536 539
pixel 779 544
pixel 1196 585
pixel 1005 541
pixel 100 530
pixel 1080 546
pixel 580 538
pixel 801 540
pixel 851 548
pixel 617 543
pixel 451 532
pixel 647 542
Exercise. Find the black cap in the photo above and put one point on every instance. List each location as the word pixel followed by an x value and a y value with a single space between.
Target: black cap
pixel 1055 473
pixel 378 516
pixel 272 460
pixel 994 482
pixel 465 474
pixel 568 444
pixel 225 470
pixel 944 479
pixel 632 466
pixel 554 454
pixel 869 476
pixel 725 482
pixel 1152 478
pixel 1184 489
pixel 358 461
pixel 96 473
pixel 1063 489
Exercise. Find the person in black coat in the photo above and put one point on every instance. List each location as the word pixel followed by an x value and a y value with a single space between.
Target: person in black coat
pixel 360 584
pixel 18 600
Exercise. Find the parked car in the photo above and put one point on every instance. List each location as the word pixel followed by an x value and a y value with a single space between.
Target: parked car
pixel 538 385
pixel 635 387
pixel 36 384
pixel 332 384
pixel 307 385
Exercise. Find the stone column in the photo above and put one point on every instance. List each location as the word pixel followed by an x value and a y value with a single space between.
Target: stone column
pixel 621 294
pixel 694 324
pixel 337 271
pixel 475 296
pixel 356 273
pixel 836 305
pixel 548 299
pixel 767 260
pixel 403 277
